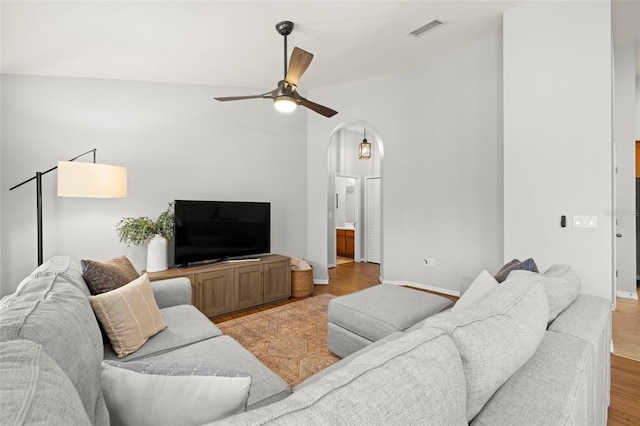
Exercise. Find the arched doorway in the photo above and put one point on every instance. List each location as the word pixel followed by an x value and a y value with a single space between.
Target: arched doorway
pixel 355 195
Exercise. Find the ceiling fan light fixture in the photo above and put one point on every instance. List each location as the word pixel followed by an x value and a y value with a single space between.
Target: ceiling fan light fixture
pixel 285 104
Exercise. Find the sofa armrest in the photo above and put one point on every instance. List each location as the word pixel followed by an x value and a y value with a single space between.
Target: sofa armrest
pixel 172 292
pixel 589 318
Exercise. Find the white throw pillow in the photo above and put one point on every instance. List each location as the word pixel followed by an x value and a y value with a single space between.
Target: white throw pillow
pixel 140 393
pixel 479 287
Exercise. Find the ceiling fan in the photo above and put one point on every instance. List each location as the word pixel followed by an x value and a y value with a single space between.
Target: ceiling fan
pixel 285 96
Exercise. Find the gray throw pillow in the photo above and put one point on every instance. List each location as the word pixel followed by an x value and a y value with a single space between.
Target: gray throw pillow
pixel 102 277
pixel 515 265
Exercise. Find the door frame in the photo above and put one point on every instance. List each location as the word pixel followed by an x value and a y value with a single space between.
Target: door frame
pixel 357 252
pixel 365 216
pixel 377 144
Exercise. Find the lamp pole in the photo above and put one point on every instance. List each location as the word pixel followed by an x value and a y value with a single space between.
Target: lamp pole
pixel 38 179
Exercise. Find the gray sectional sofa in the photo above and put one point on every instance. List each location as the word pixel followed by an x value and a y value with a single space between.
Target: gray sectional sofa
pixel 531 351
pixel 515 356
pixel 47 326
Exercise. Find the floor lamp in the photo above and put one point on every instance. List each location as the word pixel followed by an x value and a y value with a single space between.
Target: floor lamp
pixel 86 180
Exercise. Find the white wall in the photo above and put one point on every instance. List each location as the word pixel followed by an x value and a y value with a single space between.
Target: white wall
pixel 385 110
pixel 1 139
pixel 176 141
pixel 638 108
pixel 557 136
pixel 455 166
pixel 624 137
pixel 441 170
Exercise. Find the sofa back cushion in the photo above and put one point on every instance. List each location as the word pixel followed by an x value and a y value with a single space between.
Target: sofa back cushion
pixel 495 336
pixel 66 269
pixel 34 390
pixel 415 379
pixel 57 315
pixel 560 282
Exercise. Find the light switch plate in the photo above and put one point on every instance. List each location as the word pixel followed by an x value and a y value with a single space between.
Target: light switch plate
pixel 585 221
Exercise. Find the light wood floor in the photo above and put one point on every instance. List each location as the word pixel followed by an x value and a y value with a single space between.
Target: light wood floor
pixel 625 367
pixel 626 329
pixel 625 364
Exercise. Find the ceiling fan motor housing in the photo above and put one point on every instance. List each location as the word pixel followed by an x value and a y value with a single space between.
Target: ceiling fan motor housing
pixel 284 28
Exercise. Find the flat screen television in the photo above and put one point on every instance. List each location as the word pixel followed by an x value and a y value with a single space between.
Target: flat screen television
pixel 210 231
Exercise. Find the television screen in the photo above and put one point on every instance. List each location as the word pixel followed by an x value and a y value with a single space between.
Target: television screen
pixel 220 230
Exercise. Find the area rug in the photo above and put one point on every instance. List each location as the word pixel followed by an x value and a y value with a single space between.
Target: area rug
pixel 291 339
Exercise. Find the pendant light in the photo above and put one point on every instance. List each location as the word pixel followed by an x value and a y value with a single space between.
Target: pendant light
pixel 364 153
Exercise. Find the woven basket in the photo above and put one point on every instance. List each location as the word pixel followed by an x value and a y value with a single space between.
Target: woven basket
pixel 302 283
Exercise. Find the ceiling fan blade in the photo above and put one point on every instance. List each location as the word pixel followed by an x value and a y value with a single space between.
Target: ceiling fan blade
pixel 239 98
pixel 298 64
pixel 322 110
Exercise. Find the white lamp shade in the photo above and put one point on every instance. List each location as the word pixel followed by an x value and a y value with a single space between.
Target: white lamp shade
pixel 91 180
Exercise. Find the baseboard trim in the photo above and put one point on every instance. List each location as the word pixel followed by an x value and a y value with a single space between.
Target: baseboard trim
pixel 627 295
pixel 321 281
pixel 425 287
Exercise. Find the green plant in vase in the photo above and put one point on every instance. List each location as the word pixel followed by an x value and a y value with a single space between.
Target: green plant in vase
pixel 138 230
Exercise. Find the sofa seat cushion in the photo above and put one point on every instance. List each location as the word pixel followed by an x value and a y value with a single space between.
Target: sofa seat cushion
pixel 550 389
pixel 416 379
pixel 495 336
pixel 57 315
pixel 224 352
pixel 383 309
pixel 34 390
pixel 185 325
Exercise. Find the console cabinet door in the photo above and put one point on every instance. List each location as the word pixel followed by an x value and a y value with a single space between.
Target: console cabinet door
pixel 277 281
pixel 248 286
pixel 214 292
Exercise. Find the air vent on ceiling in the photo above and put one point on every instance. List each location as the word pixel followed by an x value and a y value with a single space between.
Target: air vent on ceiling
pixel 426 28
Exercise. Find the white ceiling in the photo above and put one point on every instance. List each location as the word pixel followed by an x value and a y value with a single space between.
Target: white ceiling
pixel 234 43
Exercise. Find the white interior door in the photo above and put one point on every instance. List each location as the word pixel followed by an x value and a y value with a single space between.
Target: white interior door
pixel 373 223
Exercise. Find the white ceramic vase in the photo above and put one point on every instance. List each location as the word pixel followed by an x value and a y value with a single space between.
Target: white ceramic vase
pixel 157 254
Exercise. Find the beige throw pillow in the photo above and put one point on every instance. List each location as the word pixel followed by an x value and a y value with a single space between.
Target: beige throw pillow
pixel 129 315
